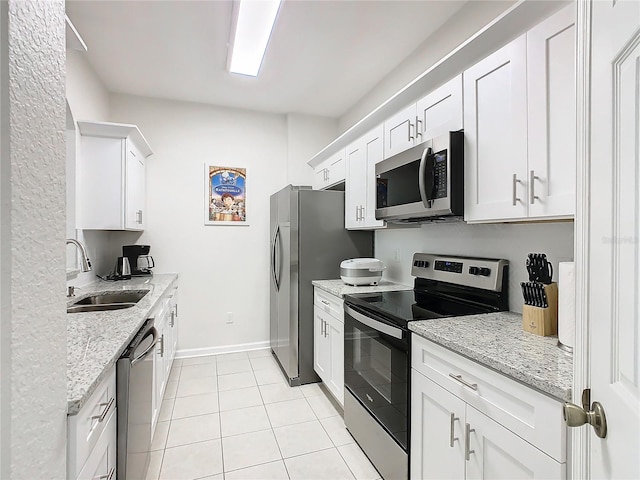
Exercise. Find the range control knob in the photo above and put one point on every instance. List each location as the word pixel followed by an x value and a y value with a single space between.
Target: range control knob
pixel 416 263
pixel 473 270
pixel 485 272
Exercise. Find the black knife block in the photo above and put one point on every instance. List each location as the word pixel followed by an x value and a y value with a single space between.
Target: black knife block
pixel 542 321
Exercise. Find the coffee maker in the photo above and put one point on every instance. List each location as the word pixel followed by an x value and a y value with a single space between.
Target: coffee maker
pixel 139 259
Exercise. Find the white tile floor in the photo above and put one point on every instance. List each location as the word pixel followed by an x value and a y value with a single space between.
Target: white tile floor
pixel 234 417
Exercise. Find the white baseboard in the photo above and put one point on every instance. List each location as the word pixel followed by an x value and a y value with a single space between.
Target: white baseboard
pixel 201 352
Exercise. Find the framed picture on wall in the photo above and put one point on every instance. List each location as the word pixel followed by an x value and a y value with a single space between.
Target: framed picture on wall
pixel 225 195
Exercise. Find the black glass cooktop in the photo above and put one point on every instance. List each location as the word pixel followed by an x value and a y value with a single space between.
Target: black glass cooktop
pixel 408 305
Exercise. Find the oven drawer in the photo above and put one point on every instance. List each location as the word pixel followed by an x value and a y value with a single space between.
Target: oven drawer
pixel 528 413
pixel 329 303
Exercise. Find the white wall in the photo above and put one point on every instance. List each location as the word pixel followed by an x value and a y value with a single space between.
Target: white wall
pixel 511 242
pixel 88 100
pixel 467 21
pixel 306 136
pixel 33 383
pixel 222 268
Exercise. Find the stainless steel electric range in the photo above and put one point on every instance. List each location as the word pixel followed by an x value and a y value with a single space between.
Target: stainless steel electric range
pixel 377 347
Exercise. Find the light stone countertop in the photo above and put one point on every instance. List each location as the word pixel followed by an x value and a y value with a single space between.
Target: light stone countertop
pixel 496 340
pixel 95 340
pixel 340 289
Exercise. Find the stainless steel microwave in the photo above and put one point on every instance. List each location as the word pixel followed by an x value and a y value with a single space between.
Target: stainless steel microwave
pixel 422 183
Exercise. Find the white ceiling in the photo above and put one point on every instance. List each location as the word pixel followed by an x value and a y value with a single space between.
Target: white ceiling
pixel 323 56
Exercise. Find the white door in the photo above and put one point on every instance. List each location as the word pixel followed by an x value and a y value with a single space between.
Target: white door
pixel 612 246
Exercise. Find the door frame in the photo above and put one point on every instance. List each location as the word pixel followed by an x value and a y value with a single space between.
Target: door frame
pixel 581 437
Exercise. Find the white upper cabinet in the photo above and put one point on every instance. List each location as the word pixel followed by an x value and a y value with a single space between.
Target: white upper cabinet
pixel 440 112
pixel 111 177
pixel 520 127
pixel 495 120
pixel 552 116
pixel 330 172
pixel 360 187
pixel 437 113
pixel 400 131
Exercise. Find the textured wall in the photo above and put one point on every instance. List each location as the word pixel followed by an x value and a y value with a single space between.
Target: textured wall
pixel 33 402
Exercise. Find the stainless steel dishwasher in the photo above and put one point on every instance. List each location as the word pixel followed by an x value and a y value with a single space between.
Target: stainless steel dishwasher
pixel 134 390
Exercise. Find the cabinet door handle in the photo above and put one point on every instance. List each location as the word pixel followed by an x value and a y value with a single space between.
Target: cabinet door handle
pixel 109 476
pixel 173 316
pixel 362 212
pixel 515 198
pixel 467 441
pixel 418 129
pixel 108 406
pixel 532 179
pixel 472 386
pixel 451 437
pixel 411 137
pixel 161 352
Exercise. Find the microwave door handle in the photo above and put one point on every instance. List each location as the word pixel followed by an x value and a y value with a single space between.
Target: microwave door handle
pixel 426 162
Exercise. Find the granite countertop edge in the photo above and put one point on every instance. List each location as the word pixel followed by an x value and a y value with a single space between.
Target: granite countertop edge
pixel 340 289
pixel 508 354
pixel 95 340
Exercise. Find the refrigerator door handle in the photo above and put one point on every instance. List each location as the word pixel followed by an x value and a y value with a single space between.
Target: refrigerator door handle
pixel 276 265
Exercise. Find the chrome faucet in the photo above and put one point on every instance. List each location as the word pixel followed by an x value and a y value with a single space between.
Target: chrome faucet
pixel 85 262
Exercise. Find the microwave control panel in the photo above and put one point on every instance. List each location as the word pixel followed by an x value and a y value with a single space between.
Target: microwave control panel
pixel 440 174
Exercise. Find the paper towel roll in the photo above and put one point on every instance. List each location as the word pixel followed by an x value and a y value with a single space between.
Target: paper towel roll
pixel 566 303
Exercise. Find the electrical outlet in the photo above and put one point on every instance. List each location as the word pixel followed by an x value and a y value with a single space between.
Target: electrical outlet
pixel 229 317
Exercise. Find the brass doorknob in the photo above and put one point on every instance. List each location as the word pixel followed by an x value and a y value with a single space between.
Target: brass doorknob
pixel 576 416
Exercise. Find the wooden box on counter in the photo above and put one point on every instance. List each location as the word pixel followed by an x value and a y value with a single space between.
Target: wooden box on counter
pixel 542 321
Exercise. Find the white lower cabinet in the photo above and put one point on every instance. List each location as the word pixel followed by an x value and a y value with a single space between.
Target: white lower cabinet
pixel 328 342
pixel 91 434
pixel 101 464
pixel 468 422
pixel 166 325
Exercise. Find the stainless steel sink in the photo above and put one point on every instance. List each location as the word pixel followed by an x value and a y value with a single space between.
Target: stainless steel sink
pixel 106 301
pixel 98 308
pixel 110 298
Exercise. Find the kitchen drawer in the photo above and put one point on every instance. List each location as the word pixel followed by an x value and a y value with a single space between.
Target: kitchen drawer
pixel 528 413
pixel 101 463
pixel 329 304
pixel 85 428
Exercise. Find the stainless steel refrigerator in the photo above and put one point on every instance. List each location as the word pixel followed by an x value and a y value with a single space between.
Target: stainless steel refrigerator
pixel 308 242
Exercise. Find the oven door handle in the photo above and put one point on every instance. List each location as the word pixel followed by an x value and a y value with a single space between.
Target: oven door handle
pixel 375 324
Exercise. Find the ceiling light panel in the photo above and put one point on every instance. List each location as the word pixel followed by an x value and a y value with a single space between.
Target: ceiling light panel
pixel 253 28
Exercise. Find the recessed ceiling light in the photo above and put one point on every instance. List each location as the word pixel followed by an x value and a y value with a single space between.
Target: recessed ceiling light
pixel 253 24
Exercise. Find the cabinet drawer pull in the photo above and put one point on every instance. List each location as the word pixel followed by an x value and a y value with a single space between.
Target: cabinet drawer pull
pixel 467 441
pixel 532 178
pixel 161 352
pixel 472 386
pixel 103 415
pixel 109 476
pixel 451 437
pixel 514 195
